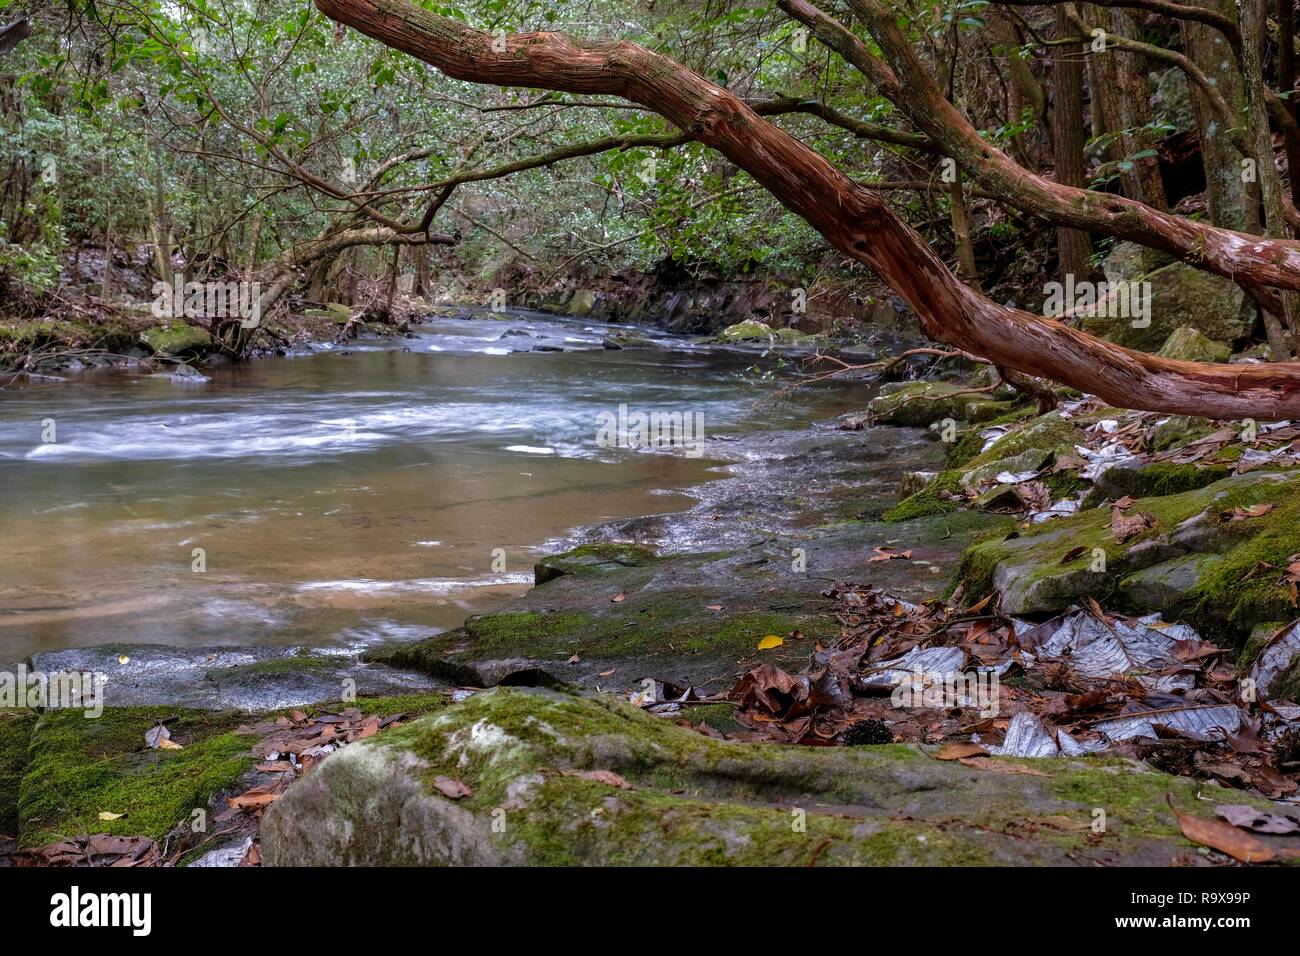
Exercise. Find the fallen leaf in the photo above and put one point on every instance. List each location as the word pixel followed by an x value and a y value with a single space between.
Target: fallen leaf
pixel 619 598
pixel 769 642
pixel 1224 837
pixel 167 744
pixel 105 815
pixel 608 673
pixel 255 799
pixel 1072 554
pixel 960 751
pixel 452 789
pixel 1261 821
pixel 998 766
pixel 713 607
pixel 600 776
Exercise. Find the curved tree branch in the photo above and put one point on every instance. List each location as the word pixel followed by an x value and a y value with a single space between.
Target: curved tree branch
pixel 853 219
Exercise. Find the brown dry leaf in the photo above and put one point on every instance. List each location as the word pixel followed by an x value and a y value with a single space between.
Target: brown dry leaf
pixel 619 598
pixel 298 715
pixel 256 799
pixel 276 766
pixel 998 766
pixel 1124 526
pixel 452 789
pixel 608 673
pixel 960 751
pixel 1072 554
pixel 713 607
pixel 1224 837
pixel 369 727
pixel 608 777
pixel 1254 511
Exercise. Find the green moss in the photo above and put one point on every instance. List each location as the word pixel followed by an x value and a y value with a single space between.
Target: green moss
pixel 599 558
pixel 15 733
pixel 1156 480
pixel 970 444
pixel 19 339
pixel 80 767
pixel 927 501
pixel 1235 593
pixel 1049 432
pixel 177 338
pixel 699 801
pixel 292 664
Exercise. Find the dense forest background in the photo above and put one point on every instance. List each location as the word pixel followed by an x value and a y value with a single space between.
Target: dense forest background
pixel 263 141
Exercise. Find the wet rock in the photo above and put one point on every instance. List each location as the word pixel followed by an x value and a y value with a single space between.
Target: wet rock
pixel 592 559
pixel 557 779
pixel 216 678
pixel 921 403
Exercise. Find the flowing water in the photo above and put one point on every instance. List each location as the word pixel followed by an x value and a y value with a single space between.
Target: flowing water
pixel 346 495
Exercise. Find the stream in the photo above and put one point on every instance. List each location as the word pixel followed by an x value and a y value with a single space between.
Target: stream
pixel 345 495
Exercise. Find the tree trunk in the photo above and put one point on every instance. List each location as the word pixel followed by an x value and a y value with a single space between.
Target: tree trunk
pixel 852 218
pixel 1072 245
pixel 1135 112
pixel 1270 185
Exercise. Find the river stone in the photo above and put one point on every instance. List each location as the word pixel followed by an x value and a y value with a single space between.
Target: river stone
pixel 217 678
pixel 1180 296
pixel 1031 574
pixel 558 779
pixel 1191 346
pixel 176 338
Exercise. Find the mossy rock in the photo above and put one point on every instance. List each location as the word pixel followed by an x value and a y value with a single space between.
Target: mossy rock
pixel 1286 685
pixel 747 331
pixel 177 338
pixel 566 780
pixel 918 404
pixel 592 559
pixel 581 303
pixel 80 767
pixel 1181 295
pixel 1033 445
pixel 77 767
pixel 1225 595
pixel 1178 431
pixel 1189 345
pixel 1154 479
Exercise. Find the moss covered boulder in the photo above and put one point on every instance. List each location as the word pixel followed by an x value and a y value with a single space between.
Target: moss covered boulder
pixel 537 778
pixel 177 338
pixel 1189 345
pixel 1181 295
pixel 1199 561
pixel 920 403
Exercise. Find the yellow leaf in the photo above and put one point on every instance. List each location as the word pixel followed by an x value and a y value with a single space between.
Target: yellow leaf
pixel 769 642
pixel 105 815
pixel 169 745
